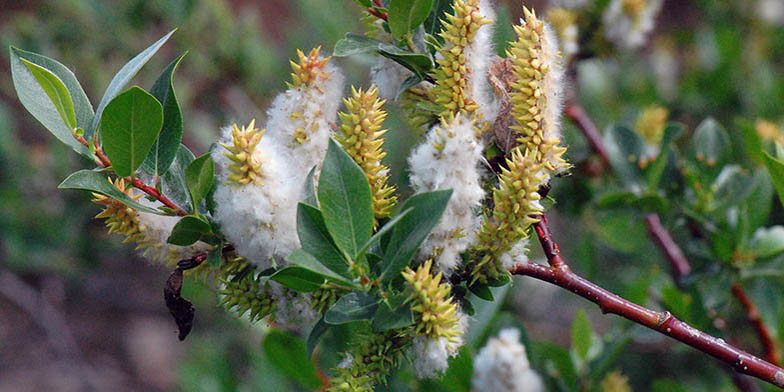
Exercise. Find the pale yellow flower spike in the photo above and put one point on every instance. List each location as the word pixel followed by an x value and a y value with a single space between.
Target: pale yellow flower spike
pixel 362 138
pixel 432 302
pixel 634 8
pixel 517 205
pixel 452 73
pixel 309 70
pixel 651 123
pixel 120 219
pixel 245 169
pixel 533 92
pixel 124 220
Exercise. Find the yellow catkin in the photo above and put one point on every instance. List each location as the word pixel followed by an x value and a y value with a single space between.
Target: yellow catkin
pixel 535 117
pixel 308 73
pixel 362 138
pixel 651 123
pixel 634 8
pixel 453 73
pixel 517 206
pixel 245 169
pixel 432 303
pixel 615 382
pixel 124 220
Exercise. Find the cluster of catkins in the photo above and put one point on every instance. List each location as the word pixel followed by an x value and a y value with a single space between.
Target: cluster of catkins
pixel 261 175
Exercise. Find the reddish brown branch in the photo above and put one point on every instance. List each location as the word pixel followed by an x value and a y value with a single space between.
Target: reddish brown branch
pixel 577 115
pixel 103 160
pixel 561 275
pixel 377 14
pixel 678 263
pixel 752 314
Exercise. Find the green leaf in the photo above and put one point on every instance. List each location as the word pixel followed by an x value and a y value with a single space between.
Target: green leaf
pixel 384 230
pixel 711 143
pixel 200 175
pixel 732 186
pixel 287 352
pixel 406 15
pixel 776 171
pixel 482 291
pixel 427 209
pixel 393 315
pixel 581 334
pixel 36 100
pixel 129 127
pixel 56 91
pixel 418 63
pixel 174 184
pixel 121 79
pixel 315 239
pixel 751 140
pixel 656 170
pixel 299 279
pixel 354 306
pixel 165 148
pixel 188 230
pixel 439 10
pixel 768 242
pixel 345 200
pixel 94 181
pixel 624 149
pixel 303 259
pixel 315 335
pixel 309 189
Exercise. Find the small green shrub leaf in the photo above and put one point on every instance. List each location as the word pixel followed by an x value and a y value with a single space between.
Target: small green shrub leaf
pixel 56 91
pixel 129 128
pixel 406 15
pixel 200 175
pixel 288 354
pixel 94 181
pixel 315 239
pixel 165 148
pixel 188 230
pixel 354 306
pixel 581 335
pixel 345 200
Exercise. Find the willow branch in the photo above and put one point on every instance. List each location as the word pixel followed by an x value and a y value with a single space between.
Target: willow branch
pixel 577 115
pixel 559 274
pixel 103 161
pixel 753 315
pixel 679 265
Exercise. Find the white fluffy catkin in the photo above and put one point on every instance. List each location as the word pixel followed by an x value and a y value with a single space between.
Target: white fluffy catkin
pixel 449 158
pixel 628 27
pixel 502 366
pixel 261 219
pixel 431 354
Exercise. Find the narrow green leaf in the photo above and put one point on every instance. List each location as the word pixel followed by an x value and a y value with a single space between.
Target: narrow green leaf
pixel 768 242
pixel 384 230
pixel 581 334
pixel 315 239
pixel 93 181
pixel 188 230
pixel 174 184
pixel 776 171
pixel 353 306
pixel 624 149
pixel 129 127
pixel 165 148
pixel 482 291
pixel 406 15
pixel 287 352
pixel 345 200
pixel 121 79
pixel 711 143
pixel 299 279
pixel 352 44
pixel 656 170
pixel 315 335
pixel 38 102
pixel 309 189
pixel 427 209
pixel 393 315
pixel 732 186
pixel 200 175
pixel 306 260
pixel 56 91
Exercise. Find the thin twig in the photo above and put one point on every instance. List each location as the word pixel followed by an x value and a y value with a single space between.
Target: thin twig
pixel 753 315
pixel 662 322
pixel 577 115
pixel 103 161
pixel 679 265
